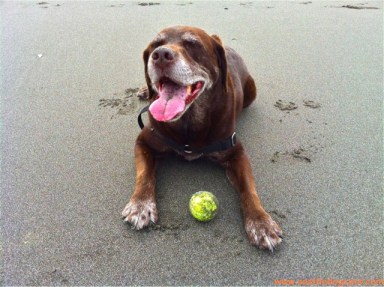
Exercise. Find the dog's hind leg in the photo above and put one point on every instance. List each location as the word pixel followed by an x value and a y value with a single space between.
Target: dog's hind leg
pixel 249 91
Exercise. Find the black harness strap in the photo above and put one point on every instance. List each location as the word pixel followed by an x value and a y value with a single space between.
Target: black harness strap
pixel 187 149
pixel 139 119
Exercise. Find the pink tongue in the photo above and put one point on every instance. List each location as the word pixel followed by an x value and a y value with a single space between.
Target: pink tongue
pixel 170 104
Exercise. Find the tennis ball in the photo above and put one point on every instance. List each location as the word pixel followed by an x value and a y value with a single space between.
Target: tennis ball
pixel 203 206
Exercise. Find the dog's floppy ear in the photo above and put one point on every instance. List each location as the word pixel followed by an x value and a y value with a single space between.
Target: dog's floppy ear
pixel 146 54
pixel 221 59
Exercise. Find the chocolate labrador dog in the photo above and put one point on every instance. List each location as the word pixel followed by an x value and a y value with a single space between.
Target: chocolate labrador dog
pixel 197 89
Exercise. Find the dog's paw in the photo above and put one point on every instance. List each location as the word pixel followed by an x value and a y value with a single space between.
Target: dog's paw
pixel 143 93
pixel 140 213
pixel 263 232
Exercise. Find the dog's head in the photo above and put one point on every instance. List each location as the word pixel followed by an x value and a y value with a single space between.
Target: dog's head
pixel 181 64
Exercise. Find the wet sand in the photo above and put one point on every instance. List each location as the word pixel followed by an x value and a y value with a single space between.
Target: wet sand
pixel 69 122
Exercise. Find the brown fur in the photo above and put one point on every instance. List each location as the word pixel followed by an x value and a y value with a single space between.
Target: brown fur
pixel 212 117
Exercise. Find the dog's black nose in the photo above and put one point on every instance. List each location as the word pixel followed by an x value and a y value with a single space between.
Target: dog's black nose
pixel 163 56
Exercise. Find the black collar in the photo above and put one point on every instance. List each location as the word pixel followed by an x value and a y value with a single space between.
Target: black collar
pixel 187 149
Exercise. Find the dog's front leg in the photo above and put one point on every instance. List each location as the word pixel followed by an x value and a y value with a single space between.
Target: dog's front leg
pixel 141 209
pixel 261 229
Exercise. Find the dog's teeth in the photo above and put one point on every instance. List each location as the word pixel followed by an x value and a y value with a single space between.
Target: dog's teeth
pixel 189 89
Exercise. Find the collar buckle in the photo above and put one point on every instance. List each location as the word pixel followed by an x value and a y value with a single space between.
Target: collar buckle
pixel 233 139
pixel 187 149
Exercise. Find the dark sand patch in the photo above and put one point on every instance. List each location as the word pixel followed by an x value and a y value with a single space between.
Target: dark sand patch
pixel 311 104
pixel 285 105
pixel 148 3
pixel 125 103
pixel 300 154
pixel 358 7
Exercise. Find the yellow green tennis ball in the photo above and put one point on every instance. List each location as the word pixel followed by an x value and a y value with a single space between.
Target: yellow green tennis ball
pixel 203 206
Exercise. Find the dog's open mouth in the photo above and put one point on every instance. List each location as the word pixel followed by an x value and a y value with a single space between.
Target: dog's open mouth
pixel 174 99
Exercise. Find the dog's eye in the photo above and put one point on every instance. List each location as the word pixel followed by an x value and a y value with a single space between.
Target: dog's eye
pixel 158 43
pixel 191 43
